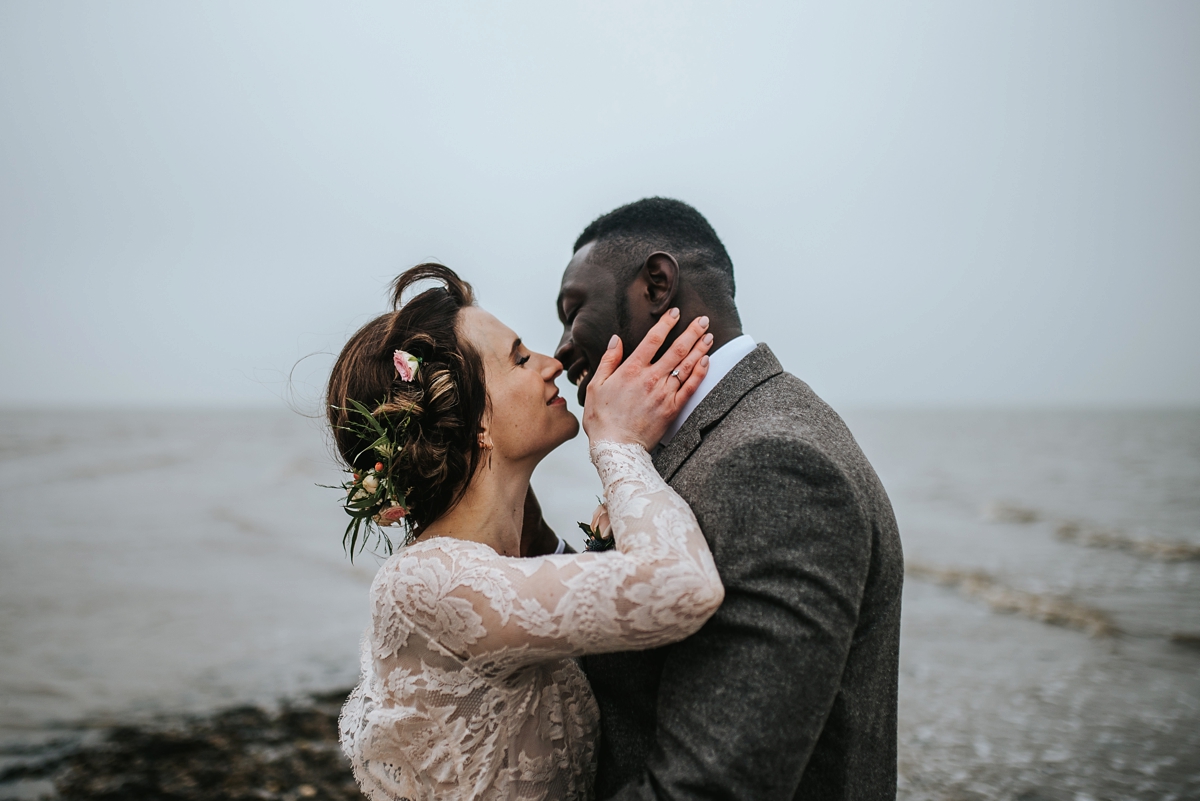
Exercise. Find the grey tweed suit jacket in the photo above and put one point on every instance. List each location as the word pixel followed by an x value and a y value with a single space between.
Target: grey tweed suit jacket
pixel 789 691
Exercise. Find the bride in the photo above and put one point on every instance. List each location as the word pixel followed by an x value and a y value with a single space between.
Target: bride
pixel 469 688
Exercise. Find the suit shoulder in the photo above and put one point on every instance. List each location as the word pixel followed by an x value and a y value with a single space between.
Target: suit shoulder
pixel 754 448
pixel 784 416
pixel 785 409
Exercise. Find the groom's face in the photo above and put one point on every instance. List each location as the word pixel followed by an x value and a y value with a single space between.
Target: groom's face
pixel 589 309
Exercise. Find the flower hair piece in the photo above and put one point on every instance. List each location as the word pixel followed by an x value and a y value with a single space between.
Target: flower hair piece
pixel 373 499
pixel 406 365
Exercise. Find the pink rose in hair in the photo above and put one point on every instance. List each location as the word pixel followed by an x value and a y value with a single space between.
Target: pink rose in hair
pixel 391 515
pixel 406 365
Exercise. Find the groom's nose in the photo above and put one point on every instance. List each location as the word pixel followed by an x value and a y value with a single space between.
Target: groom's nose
pixel 565 348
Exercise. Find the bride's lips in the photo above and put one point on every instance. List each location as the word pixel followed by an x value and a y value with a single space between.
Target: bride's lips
pixel 557 400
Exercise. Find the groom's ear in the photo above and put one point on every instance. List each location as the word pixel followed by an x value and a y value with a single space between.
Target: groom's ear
pixel 660 279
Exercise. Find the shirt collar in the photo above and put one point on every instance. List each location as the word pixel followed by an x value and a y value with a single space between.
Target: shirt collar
pixel 720 362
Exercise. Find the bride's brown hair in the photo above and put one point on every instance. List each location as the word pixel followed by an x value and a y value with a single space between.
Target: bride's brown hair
pixel 445 401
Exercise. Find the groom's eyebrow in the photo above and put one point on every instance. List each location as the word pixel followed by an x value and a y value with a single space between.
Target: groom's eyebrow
pixel 516 347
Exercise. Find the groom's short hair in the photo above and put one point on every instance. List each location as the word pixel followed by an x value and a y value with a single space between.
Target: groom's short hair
pixel 625 237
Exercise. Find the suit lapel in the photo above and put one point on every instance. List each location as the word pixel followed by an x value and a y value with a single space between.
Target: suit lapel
pixel 759 365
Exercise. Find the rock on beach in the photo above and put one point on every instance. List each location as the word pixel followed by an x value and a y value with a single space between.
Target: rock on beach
pixel 245 752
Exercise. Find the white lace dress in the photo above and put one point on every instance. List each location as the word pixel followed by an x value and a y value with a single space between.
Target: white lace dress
pixel 469 689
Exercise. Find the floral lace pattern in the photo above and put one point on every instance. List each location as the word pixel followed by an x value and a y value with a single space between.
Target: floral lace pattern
pixel 469 689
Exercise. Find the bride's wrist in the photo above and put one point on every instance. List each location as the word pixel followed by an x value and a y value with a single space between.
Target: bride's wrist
pixel 615 437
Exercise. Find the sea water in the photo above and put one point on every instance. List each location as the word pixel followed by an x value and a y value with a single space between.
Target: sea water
pixel 157 561
pixel 1049 642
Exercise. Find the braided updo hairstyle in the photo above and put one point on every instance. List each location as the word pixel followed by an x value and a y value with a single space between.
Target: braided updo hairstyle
pixel 445 401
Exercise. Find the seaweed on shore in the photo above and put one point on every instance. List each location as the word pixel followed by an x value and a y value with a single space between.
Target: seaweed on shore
pixel 241 753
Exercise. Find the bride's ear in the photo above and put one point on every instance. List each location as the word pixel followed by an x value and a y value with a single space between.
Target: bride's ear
pixel 484 438
pixel 660 278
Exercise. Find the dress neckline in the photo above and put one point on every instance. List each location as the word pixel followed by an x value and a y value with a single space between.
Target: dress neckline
pixel 443 538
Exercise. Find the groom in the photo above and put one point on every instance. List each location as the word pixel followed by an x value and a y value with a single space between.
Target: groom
pixel 789 691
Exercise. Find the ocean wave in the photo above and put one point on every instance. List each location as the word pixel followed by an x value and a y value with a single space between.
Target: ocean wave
pixel 1002 512
pixel 1052 609
pixel 1093 535
pixel 1189 639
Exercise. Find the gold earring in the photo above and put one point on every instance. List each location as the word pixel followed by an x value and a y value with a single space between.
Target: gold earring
pixel 487 446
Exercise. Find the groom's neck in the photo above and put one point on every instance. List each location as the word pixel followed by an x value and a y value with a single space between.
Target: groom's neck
pixel 723 335
pixel 724 324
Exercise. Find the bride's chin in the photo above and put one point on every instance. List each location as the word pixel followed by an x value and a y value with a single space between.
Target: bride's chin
pixel 569 431
pixel 557 432
pixel 561 437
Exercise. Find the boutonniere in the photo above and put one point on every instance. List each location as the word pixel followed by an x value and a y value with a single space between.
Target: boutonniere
pixel 595 540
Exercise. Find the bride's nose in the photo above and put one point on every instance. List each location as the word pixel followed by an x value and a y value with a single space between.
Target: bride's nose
pixel 552 369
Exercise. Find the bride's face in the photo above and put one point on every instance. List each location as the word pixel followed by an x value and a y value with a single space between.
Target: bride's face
pixel 527 417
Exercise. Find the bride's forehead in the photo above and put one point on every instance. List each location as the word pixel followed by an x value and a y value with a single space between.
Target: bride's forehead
pixel 485 331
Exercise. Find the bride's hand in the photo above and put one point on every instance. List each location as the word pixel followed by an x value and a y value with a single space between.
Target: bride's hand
pixel 636 401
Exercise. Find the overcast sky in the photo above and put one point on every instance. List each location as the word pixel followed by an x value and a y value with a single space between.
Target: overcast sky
pixel 951 203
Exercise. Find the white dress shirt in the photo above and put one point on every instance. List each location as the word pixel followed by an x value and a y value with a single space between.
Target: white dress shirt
pixel 720 362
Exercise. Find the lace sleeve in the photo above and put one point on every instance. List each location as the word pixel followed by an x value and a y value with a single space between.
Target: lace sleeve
pixel 658 585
